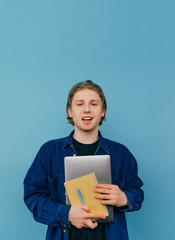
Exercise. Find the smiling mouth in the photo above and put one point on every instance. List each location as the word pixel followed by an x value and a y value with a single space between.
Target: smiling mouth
pixel 87 118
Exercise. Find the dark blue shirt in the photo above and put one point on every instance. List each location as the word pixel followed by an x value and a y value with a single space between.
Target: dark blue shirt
pixel 44 192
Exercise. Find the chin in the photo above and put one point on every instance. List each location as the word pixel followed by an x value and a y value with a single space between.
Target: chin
pixel 89 129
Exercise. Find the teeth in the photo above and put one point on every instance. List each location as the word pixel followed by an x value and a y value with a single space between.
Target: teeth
pixel 87 118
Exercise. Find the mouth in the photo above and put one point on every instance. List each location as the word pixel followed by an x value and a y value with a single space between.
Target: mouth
pixel 87 118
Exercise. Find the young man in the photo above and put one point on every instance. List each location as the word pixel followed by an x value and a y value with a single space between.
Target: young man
pixel 44 191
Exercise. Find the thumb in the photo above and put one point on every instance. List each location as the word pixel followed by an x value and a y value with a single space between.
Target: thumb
pixel 85 208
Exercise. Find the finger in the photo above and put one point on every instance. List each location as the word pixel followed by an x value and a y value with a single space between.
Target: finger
pixel 85 208
pixel 103 196
pixel 99 216
pixel 90 224
pixel 103 185
pixel 107 202
pixel 102 190
pixel 94 216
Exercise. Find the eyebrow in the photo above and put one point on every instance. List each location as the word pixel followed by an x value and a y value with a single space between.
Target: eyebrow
pixel 81 100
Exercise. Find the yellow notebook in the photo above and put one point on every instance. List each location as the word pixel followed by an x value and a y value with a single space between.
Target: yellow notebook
pixel 85 184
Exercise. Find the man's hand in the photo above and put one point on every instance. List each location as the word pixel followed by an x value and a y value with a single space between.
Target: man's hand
pixel 110 195
pixel 80 217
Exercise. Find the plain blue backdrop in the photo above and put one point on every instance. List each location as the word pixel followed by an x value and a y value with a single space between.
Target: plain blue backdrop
pixel 128 48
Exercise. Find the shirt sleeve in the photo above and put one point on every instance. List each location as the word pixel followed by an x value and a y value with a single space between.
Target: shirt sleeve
pixel 132 186
pixel 37 195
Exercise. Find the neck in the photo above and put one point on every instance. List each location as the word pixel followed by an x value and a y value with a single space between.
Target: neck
pixel 85 137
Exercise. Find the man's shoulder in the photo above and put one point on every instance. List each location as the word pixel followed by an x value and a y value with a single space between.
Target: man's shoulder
pixel 51 144
pixel 116 145
pixel 55 141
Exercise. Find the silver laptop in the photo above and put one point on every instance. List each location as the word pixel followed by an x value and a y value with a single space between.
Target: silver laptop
pixel 78 166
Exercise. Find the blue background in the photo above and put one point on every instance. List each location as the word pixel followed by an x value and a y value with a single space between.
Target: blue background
pixel 125 46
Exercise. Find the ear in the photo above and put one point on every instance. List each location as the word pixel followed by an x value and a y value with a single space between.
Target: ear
pixel 103 112
pixel 69 112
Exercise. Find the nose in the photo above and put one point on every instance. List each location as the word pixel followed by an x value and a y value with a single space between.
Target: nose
pixel 86 108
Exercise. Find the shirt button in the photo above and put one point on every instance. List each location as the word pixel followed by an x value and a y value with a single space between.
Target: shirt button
pixel 64 230
pixel 64 225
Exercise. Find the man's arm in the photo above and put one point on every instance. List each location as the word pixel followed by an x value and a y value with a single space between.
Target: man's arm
pixel 38 198
pixel 127 198
pixel 45 208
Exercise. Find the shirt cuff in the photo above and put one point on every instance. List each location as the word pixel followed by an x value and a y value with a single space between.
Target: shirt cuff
pixel 62 215
pixel 129 207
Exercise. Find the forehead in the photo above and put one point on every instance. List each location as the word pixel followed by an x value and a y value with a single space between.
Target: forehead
pixel 86 94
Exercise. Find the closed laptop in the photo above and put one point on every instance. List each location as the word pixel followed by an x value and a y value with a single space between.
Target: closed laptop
pixel 78 166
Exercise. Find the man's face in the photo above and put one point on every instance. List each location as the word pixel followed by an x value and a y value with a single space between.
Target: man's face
pixel 86 110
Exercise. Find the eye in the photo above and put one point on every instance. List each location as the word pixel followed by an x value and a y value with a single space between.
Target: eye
pixel 94 104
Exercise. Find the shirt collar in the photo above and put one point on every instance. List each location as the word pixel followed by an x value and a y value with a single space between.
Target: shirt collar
pixel 102 143
pixel 69 140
